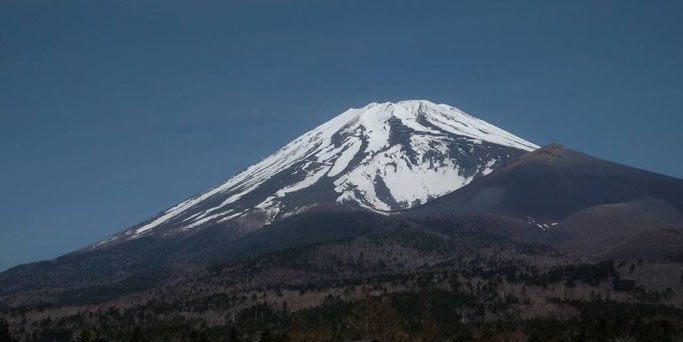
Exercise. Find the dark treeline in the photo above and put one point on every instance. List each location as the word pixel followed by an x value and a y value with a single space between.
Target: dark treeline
pixel 409 285
pixel 429 315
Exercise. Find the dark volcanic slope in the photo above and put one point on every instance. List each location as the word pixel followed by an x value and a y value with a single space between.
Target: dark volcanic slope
pixel 139 264
pixel 575 201
pixel 552 183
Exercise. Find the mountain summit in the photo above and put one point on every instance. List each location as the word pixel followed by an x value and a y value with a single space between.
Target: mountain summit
pixel 382 157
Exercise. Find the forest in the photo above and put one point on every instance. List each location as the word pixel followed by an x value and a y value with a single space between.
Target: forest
pixel 404 286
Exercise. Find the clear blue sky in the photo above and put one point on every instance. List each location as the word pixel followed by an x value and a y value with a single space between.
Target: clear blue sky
pixel 112 111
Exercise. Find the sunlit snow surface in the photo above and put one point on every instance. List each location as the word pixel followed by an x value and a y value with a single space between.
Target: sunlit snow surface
pixel 382 157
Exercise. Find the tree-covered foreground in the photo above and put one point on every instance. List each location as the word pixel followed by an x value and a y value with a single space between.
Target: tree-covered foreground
pixel 430 315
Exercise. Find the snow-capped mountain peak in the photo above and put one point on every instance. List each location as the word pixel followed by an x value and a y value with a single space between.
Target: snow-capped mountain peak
pixel 382 157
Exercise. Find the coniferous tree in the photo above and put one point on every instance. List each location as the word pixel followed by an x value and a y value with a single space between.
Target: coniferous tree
pixel 98 338
pixel 5 335
pixel 265 336
pixel 234 335
pixel 85 336
pixel 137 335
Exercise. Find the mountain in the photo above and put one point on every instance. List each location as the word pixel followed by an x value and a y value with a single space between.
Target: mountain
pixel 379 159
pixel 386 222
pixel 383 157
pixel 571 199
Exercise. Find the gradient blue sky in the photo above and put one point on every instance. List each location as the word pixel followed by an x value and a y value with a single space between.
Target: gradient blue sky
pixel 112 111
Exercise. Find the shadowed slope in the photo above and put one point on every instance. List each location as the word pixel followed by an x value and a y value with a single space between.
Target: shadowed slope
pixel 552 183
